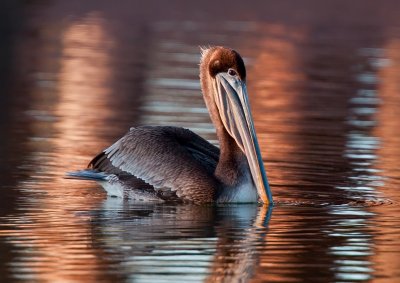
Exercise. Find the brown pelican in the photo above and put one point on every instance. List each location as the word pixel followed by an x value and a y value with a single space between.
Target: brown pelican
pixel 155 163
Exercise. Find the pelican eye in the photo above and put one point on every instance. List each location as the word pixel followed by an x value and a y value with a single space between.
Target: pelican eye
pixel 232 72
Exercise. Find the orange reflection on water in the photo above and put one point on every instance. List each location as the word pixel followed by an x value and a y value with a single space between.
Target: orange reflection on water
pixel 61 239
pixel 84 84
pixel 385 256
pixel 388 114
pixel 276 69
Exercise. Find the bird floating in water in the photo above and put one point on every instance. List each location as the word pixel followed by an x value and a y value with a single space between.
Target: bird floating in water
pixel 172 164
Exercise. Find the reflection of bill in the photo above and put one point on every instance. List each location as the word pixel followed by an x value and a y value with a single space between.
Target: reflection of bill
pixel 236 257
pixel 182 242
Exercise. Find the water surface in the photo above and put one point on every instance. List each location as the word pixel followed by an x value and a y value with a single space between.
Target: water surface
pixel 324 89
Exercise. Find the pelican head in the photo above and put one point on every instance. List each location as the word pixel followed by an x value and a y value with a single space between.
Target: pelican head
pixel 223 79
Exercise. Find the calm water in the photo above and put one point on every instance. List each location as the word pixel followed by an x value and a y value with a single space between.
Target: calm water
pixel 325 91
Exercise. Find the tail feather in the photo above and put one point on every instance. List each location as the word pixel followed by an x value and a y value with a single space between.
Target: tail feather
pixel 88 175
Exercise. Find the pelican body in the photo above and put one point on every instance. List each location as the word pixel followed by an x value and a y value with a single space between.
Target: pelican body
pixel 157 163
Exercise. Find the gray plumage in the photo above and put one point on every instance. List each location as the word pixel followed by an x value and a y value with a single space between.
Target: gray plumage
pixel 166 158
pixel 155 163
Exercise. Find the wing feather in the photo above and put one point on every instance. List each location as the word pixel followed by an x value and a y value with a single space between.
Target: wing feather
pixel 166 158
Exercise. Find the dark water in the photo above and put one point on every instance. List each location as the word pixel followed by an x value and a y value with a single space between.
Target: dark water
pixel 324 82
